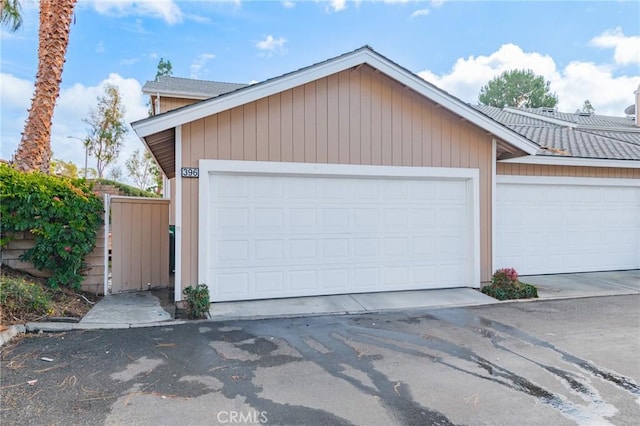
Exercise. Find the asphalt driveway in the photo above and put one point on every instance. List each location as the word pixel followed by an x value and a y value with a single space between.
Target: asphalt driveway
pixel 571 361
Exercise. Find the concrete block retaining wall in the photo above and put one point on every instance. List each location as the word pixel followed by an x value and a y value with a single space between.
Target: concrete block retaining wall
pixel 94 271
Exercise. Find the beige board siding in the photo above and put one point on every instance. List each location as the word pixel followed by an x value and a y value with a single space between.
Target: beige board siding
pixel 168 103
pixel 140 243
pixel 571 171
pixel 354 117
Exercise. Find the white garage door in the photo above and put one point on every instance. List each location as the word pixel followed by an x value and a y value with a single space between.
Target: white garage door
pixel 273 235
pixel 557 225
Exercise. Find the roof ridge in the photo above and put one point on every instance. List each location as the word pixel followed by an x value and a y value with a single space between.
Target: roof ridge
pixel 589 131
pixel 198 80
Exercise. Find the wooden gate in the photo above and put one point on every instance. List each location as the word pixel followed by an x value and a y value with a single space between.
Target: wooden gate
pixel 139 243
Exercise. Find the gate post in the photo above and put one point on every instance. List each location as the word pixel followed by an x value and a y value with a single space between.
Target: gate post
pixel 107 220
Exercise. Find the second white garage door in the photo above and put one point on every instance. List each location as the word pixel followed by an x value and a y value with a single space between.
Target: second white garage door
pixel 274 235
pixel 560 225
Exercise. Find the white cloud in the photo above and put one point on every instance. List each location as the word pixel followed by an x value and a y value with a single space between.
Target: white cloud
pixel 72 107
pixel 15 93
pixel 198 66
pixel 167 10
pixel 437 3
pixel 420 12
pixel 288 4
pixel 578 81
pixel 338 5
pixel 271 45
pixel 626 49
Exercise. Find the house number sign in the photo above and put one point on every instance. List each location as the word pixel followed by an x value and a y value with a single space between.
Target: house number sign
pixel 190 172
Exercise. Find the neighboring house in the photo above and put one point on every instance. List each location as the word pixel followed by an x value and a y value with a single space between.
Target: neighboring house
pixel 356 175
pixel 574 206
pixel 167 93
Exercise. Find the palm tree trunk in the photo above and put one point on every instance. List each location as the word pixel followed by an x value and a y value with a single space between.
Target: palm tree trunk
pixel 34 150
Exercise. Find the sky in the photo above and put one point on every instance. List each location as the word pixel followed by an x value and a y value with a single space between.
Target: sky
pixel 585 49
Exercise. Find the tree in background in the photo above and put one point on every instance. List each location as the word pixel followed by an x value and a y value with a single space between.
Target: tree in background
pixel 64 168
pixel 115 173
pixel 143 170
pixel 587 108
pixel 11 15
pixel 164 68
pixel 107 128
pixel 91 173
pixel 34 150
pixel 518 88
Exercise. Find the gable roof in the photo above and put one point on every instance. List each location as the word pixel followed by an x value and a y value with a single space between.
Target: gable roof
pixel 188 88
pixel 158 130
pixel 563 136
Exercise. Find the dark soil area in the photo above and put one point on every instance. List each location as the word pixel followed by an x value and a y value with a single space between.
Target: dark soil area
pixel 65 303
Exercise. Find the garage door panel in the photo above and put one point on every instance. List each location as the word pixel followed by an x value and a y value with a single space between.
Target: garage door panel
pixel 286 236
pixel 556 228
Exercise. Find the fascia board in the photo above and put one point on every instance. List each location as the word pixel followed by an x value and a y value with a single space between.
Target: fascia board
pixel 177 94
pixel 573 161
pixel 153 125
pixel 454 105
pixel 203 109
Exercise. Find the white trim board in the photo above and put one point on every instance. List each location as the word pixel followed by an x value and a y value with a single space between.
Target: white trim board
pixel 573 161
pixel 107 231
pixel 177 294
pixel 494 156
pixel 284 168
pixel 361 56
pixel 209 167
pixel 565 180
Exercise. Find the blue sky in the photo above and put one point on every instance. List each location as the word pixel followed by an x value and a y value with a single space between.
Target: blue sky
pixel 587 50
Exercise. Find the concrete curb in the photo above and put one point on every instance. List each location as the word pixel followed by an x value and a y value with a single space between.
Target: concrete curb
pixel 10 333
pixel 52 327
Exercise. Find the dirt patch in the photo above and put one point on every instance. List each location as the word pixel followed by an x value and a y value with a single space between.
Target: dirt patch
pixel 66 304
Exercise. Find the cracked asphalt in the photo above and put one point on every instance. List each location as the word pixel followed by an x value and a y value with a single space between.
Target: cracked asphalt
pixel 543 362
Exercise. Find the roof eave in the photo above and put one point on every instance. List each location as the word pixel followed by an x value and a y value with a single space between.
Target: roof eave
pixel 361 56
pixel 553 160
pixel 178 94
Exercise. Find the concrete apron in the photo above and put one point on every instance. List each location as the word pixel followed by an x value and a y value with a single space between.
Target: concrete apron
pixel 585 284
pixel 144 309
pixel 127 308
pixel 348 304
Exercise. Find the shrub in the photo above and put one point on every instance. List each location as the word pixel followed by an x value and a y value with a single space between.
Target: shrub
pixel 128 190
pixel 504 277
pixel 20 299
pixel 197 300
pixel 63 215
pixel 505 285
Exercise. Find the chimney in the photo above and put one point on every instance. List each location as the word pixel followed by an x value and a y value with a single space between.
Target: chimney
pixel 637 112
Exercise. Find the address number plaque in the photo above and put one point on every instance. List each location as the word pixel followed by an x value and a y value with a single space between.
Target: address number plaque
pixel 190 172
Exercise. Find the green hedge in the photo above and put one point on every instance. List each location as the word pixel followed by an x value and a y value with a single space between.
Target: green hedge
pixel 63 215
pixel 516 291
pixel 128 190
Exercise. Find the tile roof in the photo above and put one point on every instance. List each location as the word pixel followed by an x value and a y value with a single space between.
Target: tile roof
pixel 593 137
pixel 585 120
pixel 187 86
